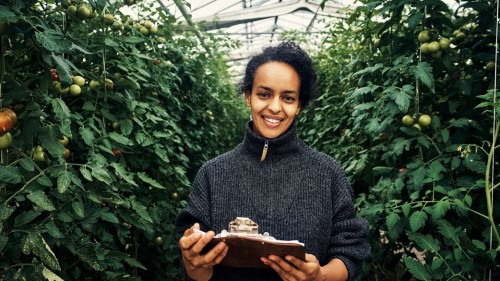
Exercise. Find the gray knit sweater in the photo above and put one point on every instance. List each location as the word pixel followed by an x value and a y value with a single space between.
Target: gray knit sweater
pixel 296 193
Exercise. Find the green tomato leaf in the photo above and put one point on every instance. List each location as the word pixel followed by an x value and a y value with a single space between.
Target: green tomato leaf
pixel 53 230
pixel 49 275
pixel 27 164
pixel 418 177
pixel 436 263
pixel 61 110
pixel 45 181
pixel 434 172
pixel 5 212
pixel 417 269
pixel 124 174
pixel 78 208
pixel 473 163
pixel 447 230
pixel 406 209
pixel 64 217
pixel 63 181
pixel 50 142
pixel 110 217
pixel 85 173
pixel 3 241
pixel 87 136
pixel 10 174
pixel 130 39
pixel 63 68
pixel 141 210
pixel 455 163
pixel 120 138
pixel 145 178
pixel 41 249
pixel 101 174
pixel 135 263
pixel 417 220
pixel 440 209
pixel 426 242
pixel 26 217
pixel 423 72
pixel 6 14
pixel 391 220
pixel 40 199
pixel 477 243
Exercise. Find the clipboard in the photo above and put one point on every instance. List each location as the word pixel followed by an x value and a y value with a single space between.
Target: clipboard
pixel 245 251
pixel 247 246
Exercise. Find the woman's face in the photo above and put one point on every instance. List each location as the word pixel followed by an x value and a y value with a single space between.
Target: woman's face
pixel 274 99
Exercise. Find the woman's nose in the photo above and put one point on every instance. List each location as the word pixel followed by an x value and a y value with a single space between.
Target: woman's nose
pixel 274 105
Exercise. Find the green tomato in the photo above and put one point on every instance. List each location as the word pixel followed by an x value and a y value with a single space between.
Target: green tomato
pixel 407 120
pixel 424 120
pixel 64 141
pixel 424 36
pixel 5 140
pixel 75 90
pixel 39 156
pixel 158 241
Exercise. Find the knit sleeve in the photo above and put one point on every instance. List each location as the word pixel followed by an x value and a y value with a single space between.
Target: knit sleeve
pixel 349 233
pixel 198 208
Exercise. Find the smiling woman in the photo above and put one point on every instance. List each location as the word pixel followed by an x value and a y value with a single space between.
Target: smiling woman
pixel 274 99
pixel 290 190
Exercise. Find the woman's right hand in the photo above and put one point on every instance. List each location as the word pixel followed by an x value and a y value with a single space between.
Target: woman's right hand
pixel 197 266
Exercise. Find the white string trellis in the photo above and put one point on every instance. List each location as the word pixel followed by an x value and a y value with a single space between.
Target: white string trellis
pixel 494 126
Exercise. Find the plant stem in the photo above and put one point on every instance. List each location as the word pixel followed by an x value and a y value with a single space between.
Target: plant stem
pixel 19 265
pixel 487 184
pixel 24 186
pixel 3 153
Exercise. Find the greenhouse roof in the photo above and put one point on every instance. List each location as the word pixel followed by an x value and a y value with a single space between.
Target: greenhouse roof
pixel 254 24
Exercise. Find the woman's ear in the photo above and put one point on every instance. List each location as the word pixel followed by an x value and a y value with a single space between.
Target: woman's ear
pixel 247 99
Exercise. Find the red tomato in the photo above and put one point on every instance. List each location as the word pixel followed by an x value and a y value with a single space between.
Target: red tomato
pixel 117 152
pixel 5 123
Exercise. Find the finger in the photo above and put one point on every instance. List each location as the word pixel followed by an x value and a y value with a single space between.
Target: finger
pixel 295 262
pixel 223 253
pixel 214 256
pixel 311 258
pixel 202 241
pixel 282 267
pixel 186 242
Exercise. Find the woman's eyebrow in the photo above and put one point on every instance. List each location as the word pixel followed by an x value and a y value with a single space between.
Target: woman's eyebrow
pixel 271 90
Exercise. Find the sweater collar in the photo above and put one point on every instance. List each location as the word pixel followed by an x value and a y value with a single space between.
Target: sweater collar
pixel 283 144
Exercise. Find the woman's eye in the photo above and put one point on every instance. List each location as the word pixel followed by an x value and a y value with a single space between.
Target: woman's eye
pixel 289 99
pixel 263 95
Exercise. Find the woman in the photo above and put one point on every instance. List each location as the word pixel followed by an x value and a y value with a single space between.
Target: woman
pixel 290 190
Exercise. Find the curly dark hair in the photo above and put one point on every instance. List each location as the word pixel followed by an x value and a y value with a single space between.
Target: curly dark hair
pixel 291 54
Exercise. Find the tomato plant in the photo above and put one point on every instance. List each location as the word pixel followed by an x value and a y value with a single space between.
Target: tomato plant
pixel 72 209
pixel 432 219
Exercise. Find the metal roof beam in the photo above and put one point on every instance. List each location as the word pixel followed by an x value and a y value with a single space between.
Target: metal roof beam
pixel 255 13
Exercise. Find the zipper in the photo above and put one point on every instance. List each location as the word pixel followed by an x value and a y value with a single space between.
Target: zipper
pixel 264 151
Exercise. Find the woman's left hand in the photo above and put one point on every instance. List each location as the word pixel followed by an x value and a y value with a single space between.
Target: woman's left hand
pixel 294 269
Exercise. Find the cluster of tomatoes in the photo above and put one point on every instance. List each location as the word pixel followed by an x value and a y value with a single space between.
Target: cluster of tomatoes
pixel 8 120
pixel 423 120
pixel 38 153
pixel 81 12
pixel 79 85
pixel 74 89
pixel 433 47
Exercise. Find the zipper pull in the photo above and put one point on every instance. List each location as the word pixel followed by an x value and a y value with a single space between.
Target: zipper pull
pixel 264 152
